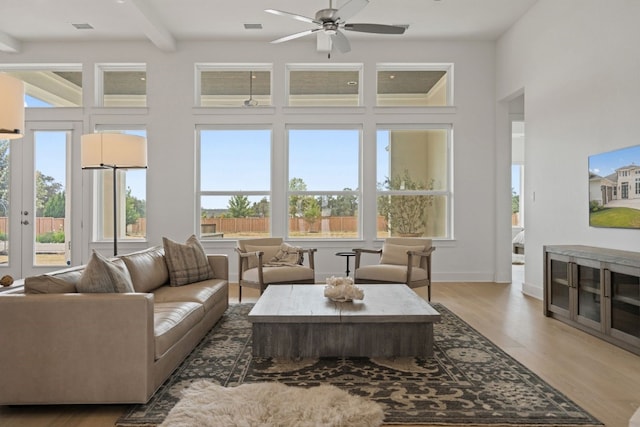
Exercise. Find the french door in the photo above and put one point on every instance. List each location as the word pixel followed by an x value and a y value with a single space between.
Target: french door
pixel 37 182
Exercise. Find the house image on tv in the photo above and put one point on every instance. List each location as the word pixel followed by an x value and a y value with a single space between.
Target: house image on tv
pixel 624 184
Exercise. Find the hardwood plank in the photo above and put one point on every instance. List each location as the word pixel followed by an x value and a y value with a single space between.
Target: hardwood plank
pixel 600 377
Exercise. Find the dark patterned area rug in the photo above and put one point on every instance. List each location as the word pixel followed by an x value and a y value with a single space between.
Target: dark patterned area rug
pixel 469 381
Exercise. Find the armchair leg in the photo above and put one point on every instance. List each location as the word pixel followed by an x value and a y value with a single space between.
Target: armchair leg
pixel 239 293
pixel 429 292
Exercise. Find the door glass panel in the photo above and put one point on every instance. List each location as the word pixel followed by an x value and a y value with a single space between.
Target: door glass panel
pixel 4 202
pixel 560 284
pixel 51 228
pixel 589 292
pixel 625 303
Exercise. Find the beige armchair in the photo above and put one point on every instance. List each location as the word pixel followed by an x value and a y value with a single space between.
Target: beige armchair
pixel 267 261
pixel 401 260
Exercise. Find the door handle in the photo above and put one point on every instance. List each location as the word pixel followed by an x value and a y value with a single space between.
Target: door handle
pixel 25 213
pixel 25 222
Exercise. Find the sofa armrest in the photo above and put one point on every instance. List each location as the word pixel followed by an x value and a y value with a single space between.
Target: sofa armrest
pixel 220 266
pixel 76 348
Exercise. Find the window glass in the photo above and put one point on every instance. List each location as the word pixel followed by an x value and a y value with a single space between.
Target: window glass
pixel 323 193
pixel 413 182
pixel 235 183
pixel 131 193
pixel 4 201
pixel 51 87
pixel 324 86
pixel 123 85
pixel 235 88
pixel 428 87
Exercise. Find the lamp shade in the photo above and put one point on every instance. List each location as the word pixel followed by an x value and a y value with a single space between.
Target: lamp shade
pixel 11 107
pixel 100 150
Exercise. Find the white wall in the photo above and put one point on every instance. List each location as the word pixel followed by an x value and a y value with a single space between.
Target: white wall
pixel 170 119
pixel 577 62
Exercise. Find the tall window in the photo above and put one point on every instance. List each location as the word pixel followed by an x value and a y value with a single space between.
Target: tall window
pixel 324 188
pixel 132 195
pixel 413 177
pixel 233 85
pixel 235 183
pixel 414 85
pixel 121 85
pixel 4 200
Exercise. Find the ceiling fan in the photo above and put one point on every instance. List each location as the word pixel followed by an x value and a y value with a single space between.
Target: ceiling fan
pixel 331 21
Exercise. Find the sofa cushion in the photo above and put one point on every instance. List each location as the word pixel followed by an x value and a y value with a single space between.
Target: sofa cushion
pixel 206 293
pixel 186 263
pixel 171 321
pixel 147 268
pixel 268 256
pixel 103 275
pixel 397 254
pixel 56 282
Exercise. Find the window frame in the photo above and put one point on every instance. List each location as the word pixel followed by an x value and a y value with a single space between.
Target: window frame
pixel 447 67
pixel 201 67
pixel 447 192
pixel 101 68
pixel 345 66
pixel 201 193
pixel 358 193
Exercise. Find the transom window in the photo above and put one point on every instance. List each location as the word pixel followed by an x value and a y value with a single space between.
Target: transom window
pixel 121 85
pixel 321 85
pixel 414 85
pixel 46 86
pixel 233 85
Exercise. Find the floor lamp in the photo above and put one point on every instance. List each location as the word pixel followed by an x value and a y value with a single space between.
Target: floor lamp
pixel 11 107
pixel 114 151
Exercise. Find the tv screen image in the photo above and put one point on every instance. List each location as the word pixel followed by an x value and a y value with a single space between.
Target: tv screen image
pixel 614 188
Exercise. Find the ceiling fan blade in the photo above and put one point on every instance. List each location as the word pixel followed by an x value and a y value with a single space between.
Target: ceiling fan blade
pixel 294 16
pixel 341 42
pixel 375 28
pixel 350 8
pixel 295 36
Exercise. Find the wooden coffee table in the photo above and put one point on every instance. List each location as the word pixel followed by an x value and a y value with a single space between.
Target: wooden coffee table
pixel 293 321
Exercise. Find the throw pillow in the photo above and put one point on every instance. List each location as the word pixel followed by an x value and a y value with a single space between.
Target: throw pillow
pixel 269 254
pixel 287 254
pixel 397 254
pixel 186 263
pixel 103 275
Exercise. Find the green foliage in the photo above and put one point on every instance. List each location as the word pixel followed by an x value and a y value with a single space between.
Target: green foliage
pixel 239 207
pixel 515 202
pixel 261 208
pixel 296 202
pixel 594 206
pixel 405 214
pixel 615 217
pixel 3 237
pixel 55 206
pixel 51 237
pixel 136 208
pixel 343 205
pixel 312 211
pixel 46 188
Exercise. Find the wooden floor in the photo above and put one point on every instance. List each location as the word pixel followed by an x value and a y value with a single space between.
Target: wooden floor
pixel 601 378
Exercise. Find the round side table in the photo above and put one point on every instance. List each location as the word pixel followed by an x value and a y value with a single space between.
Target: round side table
pixel 347 255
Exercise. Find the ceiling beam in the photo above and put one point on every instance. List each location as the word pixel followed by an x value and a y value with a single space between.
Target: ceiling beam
pixel 152 26
pixel 9 44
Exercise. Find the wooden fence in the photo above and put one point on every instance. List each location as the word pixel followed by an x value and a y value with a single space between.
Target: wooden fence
pixel 43 225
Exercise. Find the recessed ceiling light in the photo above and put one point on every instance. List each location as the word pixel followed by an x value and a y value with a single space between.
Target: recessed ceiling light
pixel 392 76
pixel 252 26
pixel 83 26
pixel 352 83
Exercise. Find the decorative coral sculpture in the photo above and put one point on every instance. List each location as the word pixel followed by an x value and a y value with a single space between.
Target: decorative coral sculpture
pixel 6 281
pixel 342 289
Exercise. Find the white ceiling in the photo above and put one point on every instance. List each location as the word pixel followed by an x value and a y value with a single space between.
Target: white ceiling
pixel 167 22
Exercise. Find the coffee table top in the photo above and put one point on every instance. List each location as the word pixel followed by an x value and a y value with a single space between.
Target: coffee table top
pixel 395 303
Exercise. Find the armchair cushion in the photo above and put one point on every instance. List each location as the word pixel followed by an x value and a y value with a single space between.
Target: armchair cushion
pixel 269 254
pixel 280 274
pixel 389 273
pixel 186 263
pixel 397 254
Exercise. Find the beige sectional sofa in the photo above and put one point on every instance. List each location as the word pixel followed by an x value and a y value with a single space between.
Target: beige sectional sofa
pixel 58 346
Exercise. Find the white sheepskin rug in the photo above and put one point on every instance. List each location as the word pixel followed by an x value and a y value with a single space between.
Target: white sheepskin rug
pixel 271 404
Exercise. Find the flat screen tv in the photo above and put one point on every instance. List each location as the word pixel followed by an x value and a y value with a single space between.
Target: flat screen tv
pixel 614 188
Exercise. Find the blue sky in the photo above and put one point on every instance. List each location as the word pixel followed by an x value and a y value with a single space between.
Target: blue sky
pixel 604 164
